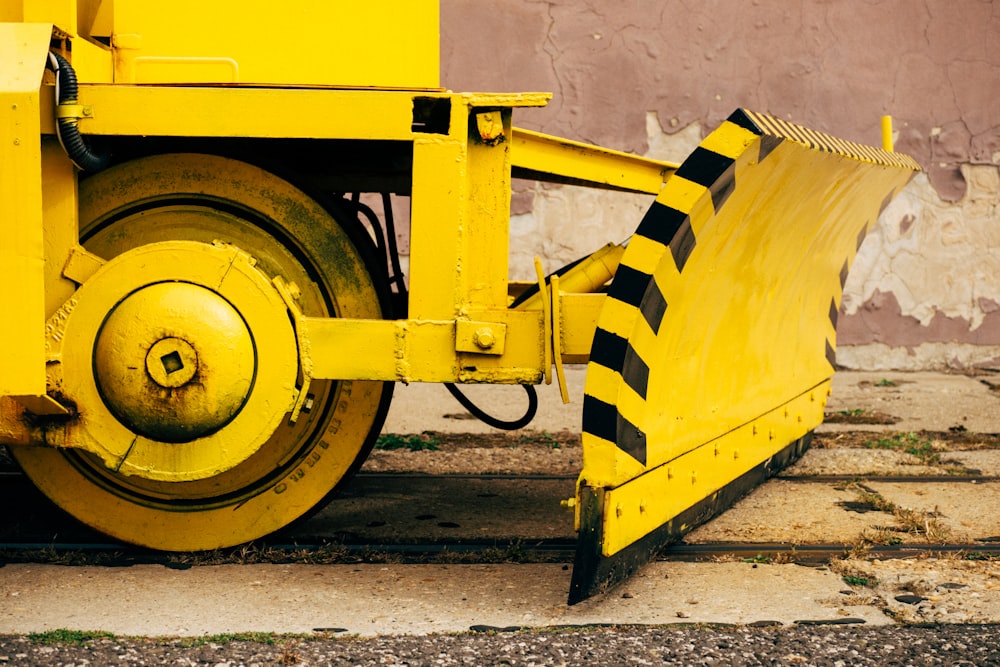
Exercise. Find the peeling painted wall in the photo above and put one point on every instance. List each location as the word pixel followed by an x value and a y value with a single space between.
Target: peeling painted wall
pixel 653 78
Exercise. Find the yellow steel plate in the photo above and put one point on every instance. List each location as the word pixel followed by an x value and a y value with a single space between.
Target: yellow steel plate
pixel 720 325
pixel 23 49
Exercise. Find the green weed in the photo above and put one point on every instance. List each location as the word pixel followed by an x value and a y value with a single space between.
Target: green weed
pixel 758 559
pixel 911 443
pixel 64 636
pixel 414 443
pixel 855 580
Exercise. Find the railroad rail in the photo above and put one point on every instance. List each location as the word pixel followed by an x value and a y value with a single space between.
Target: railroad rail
pixel 483 551
pixel 54 537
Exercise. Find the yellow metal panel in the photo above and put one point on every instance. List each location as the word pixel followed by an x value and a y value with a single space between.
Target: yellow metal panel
pixel 741 304
pixel 60 12
pixel 522 360
pixel 387 43
pixel 713 350
pixel 350 335
pixel 23 49
pixel 485 224
pixel 460 217
pixel 91 62
pixel 439 189
pixel 649 501
pixel 579 313
pixel 60 215
pixel 549 158
pixel 94 17
pixel 247 112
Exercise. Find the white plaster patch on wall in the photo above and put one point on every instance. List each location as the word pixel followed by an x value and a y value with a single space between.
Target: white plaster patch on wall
pixel 923 357
pixel 567 223
pixel 932 255
pixel 674 146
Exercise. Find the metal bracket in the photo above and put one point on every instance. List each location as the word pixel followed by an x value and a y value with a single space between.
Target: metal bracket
pixel 543 294
pixel 490 127
pixel 480 337
pixel 81 265
pixel 557 329
pixel 549 295
pixel 289 293
pixel 74 111
pixel 43 405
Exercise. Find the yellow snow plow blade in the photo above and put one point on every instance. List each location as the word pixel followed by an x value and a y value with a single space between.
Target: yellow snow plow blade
pixel 711 361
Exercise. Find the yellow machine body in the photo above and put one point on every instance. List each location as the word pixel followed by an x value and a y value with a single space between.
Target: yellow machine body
pixel 388 43
pixel 205 333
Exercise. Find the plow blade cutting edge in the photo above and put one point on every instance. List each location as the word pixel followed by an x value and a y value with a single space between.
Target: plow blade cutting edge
pixel 711 361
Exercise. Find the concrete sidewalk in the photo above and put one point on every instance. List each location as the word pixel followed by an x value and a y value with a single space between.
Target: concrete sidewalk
pixel 378 599
pixel 921 401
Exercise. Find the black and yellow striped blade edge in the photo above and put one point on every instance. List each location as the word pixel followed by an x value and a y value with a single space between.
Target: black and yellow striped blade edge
pixel 717 335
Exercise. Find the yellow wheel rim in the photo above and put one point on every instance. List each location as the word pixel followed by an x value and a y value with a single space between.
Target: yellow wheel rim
pixel 207 198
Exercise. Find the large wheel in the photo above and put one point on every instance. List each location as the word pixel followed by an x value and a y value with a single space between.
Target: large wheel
pixel 204 199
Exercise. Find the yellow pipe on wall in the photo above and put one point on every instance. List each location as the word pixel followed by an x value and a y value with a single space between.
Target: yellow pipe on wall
pixel 887 133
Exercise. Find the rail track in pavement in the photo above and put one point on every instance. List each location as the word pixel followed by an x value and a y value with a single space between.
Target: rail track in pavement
pixel 424 518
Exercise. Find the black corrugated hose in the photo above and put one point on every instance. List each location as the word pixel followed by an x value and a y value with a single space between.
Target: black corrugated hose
pixel 66 129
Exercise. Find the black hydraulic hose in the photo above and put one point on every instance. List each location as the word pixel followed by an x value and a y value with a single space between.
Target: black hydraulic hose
pixel 390 235
pixel 66 129
pixel 366 211
pixel 490 420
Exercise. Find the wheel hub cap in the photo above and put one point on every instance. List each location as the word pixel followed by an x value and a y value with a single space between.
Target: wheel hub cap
pixel 174 362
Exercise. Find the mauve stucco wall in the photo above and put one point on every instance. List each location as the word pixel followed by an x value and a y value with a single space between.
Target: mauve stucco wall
pixel 654 77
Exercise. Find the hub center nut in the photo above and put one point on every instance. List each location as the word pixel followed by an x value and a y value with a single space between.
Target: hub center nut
pixel 171 362
pixel 174 362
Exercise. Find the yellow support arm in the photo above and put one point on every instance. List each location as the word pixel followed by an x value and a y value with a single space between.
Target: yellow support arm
pixel 543 157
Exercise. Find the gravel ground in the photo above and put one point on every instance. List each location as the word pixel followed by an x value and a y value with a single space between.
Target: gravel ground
pixel 973 645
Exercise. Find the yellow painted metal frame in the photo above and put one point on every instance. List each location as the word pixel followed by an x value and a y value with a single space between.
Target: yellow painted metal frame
pixel 23 49
pixel 460 215
pixel 460 174
pixel 459 220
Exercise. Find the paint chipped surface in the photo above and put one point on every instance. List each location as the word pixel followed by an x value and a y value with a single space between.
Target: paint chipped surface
pixel 926 278
pixel 654 79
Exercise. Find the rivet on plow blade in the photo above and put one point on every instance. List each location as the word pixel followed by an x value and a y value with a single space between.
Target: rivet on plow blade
pixel 718 325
